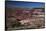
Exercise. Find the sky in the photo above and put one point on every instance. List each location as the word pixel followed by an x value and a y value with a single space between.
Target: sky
pixel 13 4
